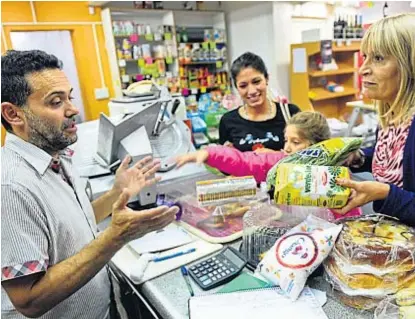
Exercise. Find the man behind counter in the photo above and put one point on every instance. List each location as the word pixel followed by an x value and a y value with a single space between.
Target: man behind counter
pixel 53 259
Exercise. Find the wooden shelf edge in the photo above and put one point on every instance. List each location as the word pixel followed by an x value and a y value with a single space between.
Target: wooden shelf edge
pixel 332 72
pixel 308 17
pixel 347 48
pixel 326 95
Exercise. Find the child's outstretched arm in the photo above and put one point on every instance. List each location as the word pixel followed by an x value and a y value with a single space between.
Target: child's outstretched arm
pixel 237 163
pixel 234 162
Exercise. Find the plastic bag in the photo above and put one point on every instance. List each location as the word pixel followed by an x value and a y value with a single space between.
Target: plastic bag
pixel 399 306
pixel 298 253
pixel 377 241
pixel 332 152
pixel 263 224
pixel 372 258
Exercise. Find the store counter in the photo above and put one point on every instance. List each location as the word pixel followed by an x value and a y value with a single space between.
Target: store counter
pixel 167 296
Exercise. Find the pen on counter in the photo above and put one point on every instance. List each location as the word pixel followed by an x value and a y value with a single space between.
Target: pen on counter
pixel 180 253
pixel 186 279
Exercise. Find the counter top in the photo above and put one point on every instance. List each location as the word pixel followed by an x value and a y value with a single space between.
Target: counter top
pixel 168 294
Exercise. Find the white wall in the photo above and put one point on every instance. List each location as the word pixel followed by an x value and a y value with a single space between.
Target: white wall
pixel 249 26
pixel 266 28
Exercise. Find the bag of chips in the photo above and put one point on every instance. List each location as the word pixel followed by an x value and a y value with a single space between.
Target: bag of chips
pixel 298 253
pixel 332 152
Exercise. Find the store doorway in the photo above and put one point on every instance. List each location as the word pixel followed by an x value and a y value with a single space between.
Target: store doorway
pixel 58 43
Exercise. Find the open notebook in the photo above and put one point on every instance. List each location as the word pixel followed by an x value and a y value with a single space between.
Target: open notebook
pixel 258 303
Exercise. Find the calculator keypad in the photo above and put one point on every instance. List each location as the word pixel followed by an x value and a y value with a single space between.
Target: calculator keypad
pixel 213 271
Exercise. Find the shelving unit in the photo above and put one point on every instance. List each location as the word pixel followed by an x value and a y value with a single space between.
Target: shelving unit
pixel 307 90
pixel 124 69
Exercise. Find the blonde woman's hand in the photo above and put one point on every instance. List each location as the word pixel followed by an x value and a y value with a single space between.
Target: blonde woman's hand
pixel 362 193
pixel 198 157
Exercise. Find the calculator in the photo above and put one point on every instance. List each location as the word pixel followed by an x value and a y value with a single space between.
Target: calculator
pixel 219 269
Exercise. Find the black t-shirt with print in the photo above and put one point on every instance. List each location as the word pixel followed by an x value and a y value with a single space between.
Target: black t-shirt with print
pixel 248 135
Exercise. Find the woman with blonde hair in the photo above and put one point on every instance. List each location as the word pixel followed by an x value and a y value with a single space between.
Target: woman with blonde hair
pixel 388 74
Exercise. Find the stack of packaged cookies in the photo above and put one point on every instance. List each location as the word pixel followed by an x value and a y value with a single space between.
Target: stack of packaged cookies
pixel 373 258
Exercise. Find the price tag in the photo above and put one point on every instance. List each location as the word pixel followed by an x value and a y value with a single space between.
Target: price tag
pixel 125 78
pixel 202 89
pixel 141 63
pixel 212 45
pixel 169 60
pixel 167 36
pixel 121 63
pixel 149 37
pixel 219 64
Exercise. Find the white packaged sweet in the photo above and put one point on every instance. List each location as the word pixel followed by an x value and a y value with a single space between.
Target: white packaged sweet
pixel 298 253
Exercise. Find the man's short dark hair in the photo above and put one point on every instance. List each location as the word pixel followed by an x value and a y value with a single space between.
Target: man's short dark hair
pixel 15 65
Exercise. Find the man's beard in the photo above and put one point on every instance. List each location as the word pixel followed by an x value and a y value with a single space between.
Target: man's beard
pixel 46 135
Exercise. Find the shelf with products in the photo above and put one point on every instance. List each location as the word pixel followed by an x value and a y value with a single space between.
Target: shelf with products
pixel 218 63
pixel 144 49
pixel 323 76
pixel 348 27
pixel 145 43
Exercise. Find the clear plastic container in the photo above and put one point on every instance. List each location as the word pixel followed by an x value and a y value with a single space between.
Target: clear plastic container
pixel 265 223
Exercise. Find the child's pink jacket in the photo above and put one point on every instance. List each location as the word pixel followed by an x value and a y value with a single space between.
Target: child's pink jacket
pixel 234 162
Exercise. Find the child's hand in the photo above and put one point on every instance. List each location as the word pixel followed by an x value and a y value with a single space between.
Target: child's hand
pixel 198 157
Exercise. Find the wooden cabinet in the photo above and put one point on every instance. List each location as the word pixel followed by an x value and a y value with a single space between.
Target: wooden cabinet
pixel 307 88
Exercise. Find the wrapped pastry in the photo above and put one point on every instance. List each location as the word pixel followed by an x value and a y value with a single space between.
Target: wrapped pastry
pixel 366 284
pixel 373 257
pixel 378 241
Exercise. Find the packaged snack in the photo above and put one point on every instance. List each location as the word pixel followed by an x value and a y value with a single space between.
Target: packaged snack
pixel 298 253
pixel 221 191
pixel 379 241
pixel 373 258
pixel 264 224
pixel 309 185
pixel 366 284
pixel 332 152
